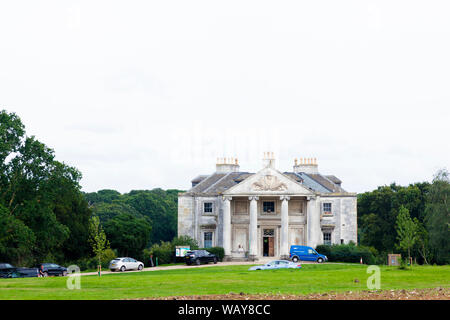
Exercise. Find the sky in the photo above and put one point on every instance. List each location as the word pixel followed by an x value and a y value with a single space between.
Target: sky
pixel 147 94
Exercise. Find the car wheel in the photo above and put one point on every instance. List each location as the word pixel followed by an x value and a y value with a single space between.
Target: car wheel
pixel 197 262
pixel 140 267
pixel 122 268
pixel 45 274
pixel 215 260
pixel 64 273
pixel 320 260
pixel 295 259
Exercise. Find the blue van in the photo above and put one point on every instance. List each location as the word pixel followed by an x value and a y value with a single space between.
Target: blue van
pixel 306 254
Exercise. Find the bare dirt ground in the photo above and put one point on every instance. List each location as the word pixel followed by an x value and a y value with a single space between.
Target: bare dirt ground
pixel 416 294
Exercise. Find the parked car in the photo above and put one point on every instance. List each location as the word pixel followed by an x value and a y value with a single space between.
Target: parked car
pixel 277 264
pixel 124 264
pixel 305 253
pixel 200 256
pixel 51 269
pixel 9 271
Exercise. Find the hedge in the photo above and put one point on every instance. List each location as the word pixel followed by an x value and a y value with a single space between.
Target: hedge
pixel 348 253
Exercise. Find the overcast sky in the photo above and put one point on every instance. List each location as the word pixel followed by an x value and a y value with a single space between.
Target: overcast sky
pixel 145 94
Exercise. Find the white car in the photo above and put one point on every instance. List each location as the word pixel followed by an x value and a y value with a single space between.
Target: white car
pixel 124 264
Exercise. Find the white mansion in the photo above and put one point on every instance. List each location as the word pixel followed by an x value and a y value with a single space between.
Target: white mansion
pixel 252 215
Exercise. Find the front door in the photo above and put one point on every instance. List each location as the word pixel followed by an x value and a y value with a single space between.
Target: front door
pixel 268 243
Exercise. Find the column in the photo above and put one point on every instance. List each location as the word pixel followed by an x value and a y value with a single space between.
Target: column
pixel 313 222
pixel 284 243
pixel 253 228
pixel 227 227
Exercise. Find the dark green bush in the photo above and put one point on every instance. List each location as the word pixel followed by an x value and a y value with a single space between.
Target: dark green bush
pixel 348 253
pixel 164 251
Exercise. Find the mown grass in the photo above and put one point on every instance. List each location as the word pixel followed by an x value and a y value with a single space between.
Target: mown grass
pixel 224 279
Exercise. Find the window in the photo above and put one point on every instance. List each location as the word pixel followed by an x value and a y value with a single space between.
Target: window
pixel 268 206
pixel 327 238
pixel 207 240
pixel 327 208
pixel 207 207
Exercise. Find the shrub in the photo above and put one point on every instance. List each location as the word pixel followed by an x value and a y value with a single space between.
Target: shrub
pixel 163 252
pixel 106 257
pixel 348 253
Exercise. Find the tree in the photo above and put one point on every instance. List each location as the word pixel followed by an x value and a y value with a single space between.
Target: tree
pixel 97 238
pixel 128 233
pixel 16 239
pixel 41 196
pixel 406 230
pixel 378 211
pixel 437 216
pixel 422 242
pixel 160 207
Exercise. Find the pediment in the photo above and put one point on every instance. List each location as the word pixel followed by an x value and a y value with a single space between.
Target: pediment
pixel 268 181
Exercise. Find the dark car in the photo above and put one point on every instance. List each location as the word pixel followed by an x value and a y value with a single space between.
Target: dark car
pixel 9 271
pixel 199 257
pixel 51 269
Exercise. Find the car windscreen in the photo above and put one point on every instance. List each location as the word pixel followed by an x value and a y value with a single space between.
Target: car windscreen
pixel 5 265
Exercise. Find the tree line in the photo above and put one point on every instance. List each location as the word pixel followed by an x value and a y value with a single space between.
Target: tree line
pixel 136 220
pixel 413 220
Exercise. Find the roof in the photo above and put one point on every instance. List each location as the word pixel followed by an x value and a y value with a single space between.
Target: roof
pixel 334 179
pixel 217 183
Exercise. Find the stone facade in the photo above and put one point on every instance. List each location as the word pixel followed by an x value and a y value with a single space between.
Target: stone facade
pixel 252 215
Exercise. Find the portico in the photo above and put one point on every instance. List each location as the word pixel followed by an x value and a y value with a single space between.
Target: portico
pixel 260 231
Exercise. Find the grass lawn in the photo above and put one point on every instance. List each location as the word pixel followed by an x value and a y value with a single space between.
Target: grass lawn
pixel 312 278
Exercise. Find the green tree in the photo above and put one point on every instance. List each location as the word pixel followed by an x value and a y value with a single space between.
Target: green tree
pixel 97 239
pixel 16 239
pixel 160 207
pixel 378 210
pixel 41 196
pixel 423 247
pixel 406 230
pixel 437 216
pixel 128 233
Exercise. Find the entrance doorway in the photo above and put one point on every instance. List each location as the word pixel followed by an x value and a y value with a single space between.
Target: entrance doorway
pixel 268 242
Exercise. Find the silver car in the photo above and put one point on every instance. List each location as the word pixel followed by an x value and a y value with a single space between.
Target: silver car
pixel 124 264
pixel 277 264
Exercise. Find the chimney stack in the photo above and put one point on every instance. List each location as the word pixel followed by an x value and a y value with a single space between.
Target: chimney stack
pixel 269 160
pixel 226 165
pixel 306 165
